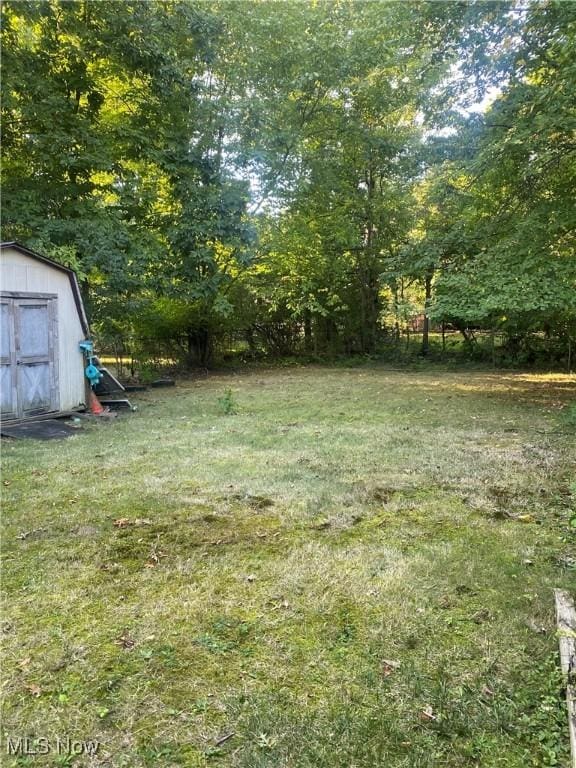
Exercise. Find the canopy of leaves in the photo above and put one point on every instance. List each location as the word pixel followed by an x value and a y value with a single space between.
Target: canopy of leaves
pixel 302 168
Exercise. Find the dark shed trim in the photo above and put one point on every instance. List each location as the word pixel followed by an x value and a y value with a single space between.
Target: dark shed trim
pixel 71 276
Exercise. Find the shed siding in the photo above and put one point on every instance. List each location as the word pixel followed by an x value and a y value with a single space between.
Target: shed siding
pixel 22 274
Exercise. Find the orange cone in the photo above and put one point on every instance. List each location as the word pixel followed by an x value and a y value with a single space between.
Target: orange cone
pixel 95 405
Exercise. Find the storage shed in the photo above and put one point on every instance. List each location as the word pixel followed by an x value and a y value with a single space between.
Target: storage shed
pixel 42 323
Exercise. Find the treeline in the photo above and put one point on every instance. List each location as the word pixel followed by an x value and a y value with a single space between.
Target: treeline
pixel 302 177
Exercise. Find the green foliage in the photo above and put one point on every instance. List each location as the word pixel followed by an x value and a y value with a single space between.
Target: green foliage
pixel 508 259
pixel 101 101
pixel 569 415
pixel 543 705
pixel 228 403
pixel 314 175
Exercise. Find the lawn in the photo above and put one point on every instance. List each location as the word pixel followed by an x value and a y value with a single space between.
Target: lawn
pixel 304 568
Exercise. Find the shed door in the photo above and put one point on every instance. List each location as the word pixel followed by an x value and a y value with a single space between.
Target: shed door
pixel 8 397
pixel 28 357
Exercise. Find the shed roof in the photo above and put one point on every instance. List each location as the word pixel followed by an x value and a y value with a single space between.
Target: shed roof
pixel 70 272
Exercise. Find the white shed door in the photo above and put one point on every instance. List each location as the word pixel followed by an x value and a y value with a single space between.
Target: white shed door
pixel 7 361
pixel 28 371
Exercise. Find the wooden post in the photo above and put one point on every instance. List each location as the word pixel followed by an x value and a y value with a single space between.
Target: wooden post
pixel 566 623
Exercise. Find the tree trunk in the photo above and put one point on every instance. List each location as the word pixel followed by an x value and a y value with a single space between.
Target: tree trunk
pixel 493 346
pixel 426 328
pixel 200 347
pixel 369 281
pixel 396 319
pixel 307 332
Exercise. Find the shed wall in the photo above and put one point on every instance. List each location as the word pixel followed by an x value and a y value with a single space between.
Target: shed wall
pixel 22 274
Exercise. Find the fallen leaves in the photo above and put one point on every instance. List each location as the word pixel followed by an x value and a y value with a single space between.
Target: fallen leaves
pixel 154 560
pixel 278 601
pixel 125 522
pixel 481 616
pixel 112 567
pixel 224 738
pixel 536 627
pixel 525 518
pixel 25 534
pixel 388 667
pixel 566 561
pixel 427 715
pixel 156 554
pixel 125 641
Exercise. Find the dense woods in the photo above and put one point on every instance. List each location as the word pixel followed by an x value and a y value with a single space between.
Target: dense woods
pixel 301 178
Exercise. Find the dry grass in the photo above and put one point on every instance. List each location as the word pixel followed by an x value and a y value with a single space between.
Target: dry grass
pixel 354 570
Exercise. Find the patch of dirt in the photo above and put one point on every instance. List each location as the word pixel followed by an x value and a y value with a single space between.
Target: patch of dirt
pixel 86 531
pixel 375 494
pixel 499 494
pixel 35 533
pixel 149 546
pixel 383 494
pixel 253 501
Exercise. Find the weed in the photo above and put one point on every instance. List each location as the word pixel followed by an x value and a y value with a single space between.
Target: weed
pixel 227 403
pixel 569 415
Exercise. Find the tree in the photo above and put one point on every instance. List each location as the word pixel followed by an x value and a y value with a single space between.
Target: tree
pixel 112 150
pixel 349 118
pixel 512 260
pixel 147 144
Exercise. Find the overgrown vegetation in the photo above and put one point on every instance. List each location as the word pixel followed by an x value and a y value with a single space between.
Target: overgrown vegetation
pixel 228 403
pixel 317 177
pixel 356 569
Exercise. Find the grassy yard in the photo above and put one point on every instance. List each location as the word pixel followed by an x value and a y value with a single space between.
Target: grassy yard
pixel 354 570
